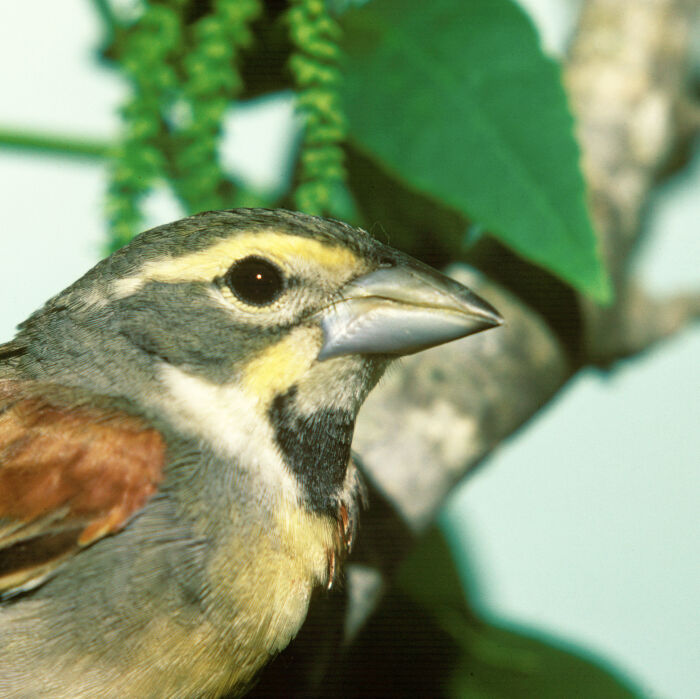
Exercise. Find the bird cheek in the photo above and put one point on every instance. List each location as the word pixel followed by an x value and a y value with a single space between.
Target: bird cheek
pixel 283 364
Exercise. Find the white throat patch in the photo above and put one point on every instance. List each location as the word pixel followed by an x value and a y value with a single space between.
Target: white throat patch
pixel 231 422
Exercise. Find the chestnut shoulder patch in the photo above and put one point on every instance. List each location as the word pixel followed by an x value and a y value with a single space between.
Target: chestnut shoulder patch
pixel 72 471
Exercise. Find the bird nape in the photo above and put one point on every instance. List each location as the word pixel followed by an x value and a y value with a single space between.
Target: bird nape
pixel 175 447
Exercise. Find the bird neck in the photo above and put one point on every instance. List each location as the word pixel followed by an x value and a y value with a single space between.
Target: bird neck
pixel 315 448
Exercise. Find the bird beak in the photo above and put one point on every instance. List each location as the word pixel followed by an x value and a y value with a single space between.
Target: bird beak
pixel 401 310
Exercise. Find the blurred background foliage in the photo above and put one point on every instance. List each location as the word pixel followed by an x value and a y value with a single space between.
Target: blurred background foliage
pixel 442 119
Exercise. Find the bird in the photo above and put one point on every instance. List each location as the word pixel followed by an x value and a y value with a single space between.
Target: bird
pixel 176 472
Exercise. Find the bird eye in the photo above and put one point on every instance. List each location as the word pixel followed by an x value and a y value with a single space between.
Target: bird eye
pixel 255 281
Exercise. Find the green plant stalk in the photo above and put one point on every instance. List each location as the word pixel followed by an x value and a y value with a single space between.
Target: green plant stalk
pixel 137 160
pixel 315 36
pixel 53 144
pixel 212 82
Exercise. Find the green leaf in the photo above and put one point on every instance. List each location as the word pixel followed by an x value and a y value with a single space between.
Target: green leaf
pixel 503 664
pixel 409 220
pixel 430 578
pixel 456 98
pixel 497 662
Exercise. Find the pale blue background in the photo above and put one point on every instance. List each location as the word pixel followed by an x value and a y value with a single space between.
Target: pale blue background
pixel 584 526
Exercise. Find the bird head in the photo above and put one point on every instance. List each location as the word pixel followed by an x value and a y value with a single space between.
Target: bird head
pixel 257 332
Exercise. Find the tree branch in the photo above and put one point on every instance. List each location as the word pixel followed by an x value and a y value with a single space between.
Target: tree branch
pixel 628 80
pixel 439 413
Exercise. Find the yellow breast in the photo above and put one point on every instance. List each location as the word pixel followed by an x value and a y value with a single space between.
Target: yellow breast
pixel 267 580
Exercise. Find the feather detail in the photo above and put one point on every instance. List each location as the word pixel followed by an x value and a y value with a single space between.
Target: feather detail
pixel 71 472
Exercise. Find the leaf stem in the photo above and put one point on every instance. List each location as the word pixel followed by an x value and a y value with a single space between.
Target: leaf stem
pixel 53 144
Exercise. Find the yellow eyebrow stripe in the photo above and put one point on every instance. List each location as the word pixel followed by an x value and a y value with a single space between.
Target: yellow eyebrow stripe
pixel 207 264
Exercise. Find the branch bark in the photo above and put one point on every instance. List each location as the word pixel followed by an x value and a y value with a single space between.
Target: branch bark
pixel 628 80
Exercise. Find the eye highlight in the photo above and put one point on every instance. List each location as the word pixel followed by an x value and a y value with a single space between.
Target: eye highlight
pixel 255 281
